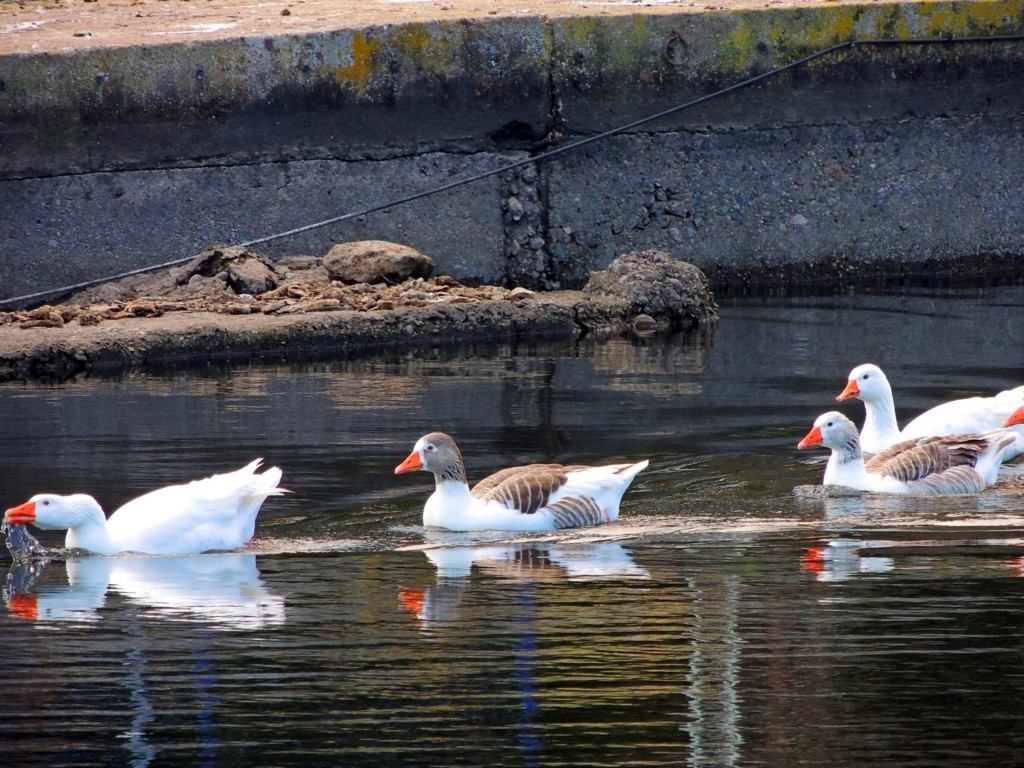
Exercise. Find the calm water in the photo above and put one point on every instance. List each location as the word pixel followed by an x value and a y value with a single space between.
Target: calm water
pixel 725 620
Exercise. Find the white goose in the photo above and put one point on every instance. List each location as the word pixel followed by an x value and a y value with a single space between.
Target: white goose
pixel 948 464
pixel 970 415
pixel 218 512
pixel 536 497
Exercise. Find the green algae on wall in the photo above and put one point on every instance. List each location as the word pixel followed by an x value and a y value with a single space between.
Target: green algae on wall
pixel 791 34
pixel 730 43
pixel 364 64
pixel 383 63
pixel 613 70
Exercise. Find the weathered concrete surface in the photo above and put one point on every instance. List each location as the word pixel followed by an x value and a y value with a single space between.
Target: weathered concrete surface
pixel 66 228
pixel 800 203
pixel 175 125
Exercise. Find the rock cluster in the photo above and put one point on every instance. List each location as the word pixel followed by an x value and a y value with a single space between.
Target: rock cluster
pixel 655 290
pixel 243 271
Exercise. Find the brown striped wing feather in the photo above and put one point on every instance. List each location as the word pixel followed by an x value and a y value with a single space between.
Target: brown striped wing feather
pixel 526 488
pixel 917 459
pixel 576 512
pixel 962 479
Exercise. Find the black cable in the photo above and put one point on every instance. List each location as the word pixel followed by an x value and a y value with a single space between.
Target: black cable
pixel 540 158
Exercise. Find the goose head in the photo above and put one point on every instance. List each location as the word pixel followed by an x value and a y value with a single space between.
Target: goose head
pixel 437 453
pixel 51 512
pixel 866 382
pixel 832 430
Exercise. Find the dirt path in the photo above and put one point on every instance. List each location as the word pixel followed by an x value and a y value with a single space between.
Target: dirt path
pixel 56 25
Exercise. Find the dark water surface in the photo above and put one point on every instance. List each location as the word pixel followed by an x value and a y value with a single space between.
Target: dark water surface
pixel 725 620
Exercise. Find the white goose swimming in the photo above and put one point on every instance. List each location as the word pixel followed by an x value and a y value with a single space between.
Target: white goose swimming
pixel 948 464
pixel 218 512
pixel 970 415
pixel 536 497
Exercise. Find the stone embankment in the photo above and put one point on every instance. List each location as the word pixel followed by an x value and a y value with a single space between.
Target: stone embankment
pixel 140 131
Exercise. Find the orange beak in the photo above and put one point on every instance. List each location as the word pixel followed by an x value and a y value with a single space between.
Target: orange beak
pixel 412 599
pixel 851 391
pixel 22 514
pixel 813 438
pixel 1017 417
pixel 411 464
pixel 813 559
pixel 24 606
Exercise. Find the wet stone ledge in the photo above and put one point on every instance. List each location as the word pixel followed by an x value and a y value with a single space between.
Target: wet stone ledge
pixel 188 317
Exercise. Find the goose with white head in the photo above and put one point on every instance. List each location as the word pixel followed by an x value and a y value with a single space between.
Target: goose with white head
pixel 534 497
pixel 931 465
pixel 969 415
pixel 215 513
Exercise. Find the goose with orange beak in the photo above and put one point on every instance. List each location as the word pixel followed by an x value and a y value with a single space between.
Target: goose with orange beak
pixel 536 497
pixel 218 512
pixel 932 465
pixel 969 415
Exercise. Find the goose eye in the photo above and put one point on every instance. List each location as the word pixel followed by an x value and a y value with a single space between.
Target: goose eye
pixel 866 376
pixel 429 447
pixel 829 424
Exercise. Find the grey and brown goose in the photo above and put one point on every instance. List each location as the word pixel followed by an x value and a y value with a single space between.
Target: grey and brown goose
pixel 948 464
pixel 535 497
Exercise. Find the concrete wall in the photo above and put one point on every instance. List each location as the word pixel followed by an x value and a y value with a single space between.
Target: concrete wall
pixel 115 158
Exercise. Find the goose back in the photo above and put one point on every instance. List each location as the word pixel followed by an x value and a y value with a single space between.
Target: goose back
pixel 527 488
pixel 911 460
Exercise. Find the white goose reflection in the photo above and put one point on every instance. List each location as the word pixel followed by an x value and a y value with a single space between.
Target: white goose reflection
pixel 524 561
pixel 843 559
pixel 223 591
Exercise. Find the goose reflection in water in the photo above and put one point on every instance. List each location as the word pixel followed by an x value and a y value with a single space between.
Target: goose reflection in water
pixel 532 562
pixel 842 559
pixel 526 564
pixel 223 591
